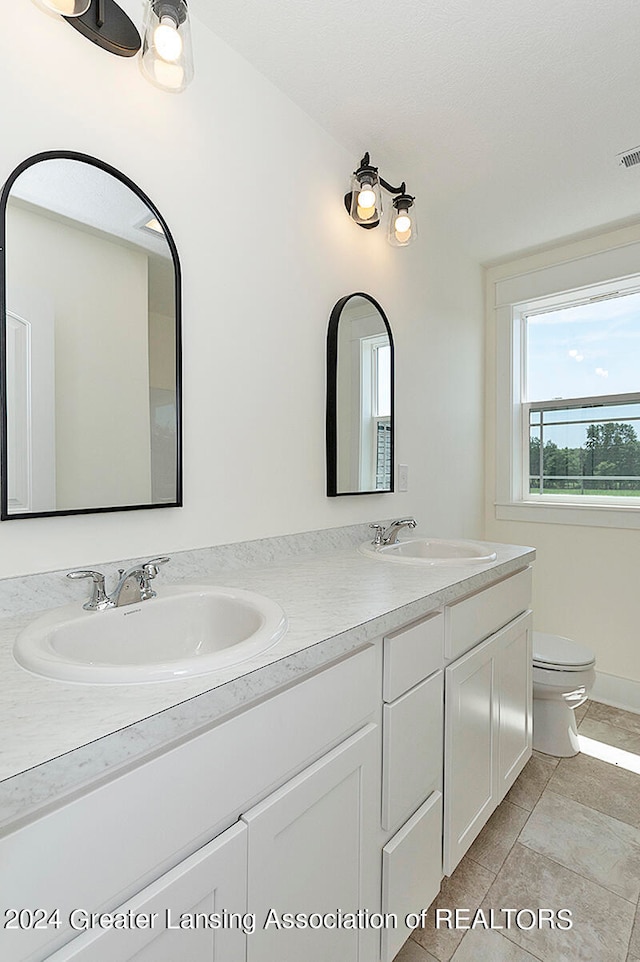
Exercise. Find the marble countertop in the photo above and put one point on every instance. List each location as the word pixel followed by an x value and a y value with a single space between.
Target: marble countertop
pixel 58 737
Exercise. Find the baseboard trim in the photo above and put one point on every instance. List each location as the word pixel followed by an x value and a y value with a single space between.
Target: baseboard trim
pixel 615 691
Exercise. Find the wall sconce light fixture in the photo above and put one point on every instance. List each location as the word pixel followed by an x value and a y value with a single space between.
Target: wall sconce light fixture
pixel 166 59
pixel 364 204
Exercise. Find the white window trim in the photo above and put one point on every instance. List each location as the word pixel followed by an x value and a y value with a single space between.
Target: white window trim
pixel 515 296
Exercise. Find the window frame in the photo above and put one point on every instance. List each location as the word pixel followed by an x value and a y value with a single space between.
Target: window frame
pixel 513 501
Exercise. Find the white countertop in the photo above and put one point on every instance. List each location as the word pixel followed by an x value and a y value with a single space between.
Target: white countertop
pixel 59 736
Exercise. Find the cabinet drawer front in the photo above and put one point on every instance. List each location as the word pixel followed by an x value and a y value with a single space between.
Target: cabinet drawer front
pixel 412 750
pixel 411 871
pixel 474 618
pixel 412 654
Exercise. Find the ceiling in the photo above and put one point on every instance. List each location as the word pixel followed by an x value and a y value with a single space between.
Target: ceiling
pixel 89 196
pixel 504 118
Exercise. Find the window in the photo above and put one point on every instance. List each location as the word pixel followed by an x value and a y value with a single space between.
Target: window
pixel 567 391
pixel 580 412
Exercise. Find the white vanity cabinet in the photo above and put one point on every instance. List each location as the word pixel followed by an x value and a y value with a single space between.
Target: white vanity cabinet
pixel 352 790
pixel 306 848
pixel 167 831
pixel 488 716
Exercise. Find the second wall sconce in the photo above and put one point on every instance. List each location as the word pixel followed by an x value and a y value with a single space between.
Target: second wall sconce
pixel 166 58
pixel 364 204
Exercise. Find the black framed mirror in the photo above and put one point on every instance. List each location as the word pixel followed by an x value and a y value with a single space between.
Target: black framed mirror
pixel 360 398
pixel 90 343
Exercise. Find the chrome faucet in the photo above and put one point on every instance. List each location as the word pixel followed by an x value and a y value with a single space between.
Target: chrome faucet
pixel 133 585
pixel 389 534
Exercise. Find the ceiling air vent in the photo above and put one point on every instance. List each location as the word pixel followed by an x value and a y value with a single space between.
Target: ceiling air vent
pixel 629 158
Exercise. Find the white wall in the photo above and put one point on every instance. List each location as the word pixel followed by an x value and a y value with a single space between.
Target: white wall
pixel 585 577
pixel 106 328
pixel 259 284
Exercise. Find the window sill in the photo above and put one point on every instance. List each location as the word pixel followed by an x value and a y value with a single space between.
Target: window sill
pixel 594 515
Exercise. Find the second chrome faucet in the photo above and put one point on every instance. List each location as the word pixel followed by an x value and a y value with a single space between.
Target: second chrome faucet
pixel 389 534
pixel 134 585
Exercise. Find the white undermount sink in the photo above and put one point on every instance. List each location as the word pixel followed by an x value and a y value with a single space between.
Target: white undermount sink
pixel 187 630
pixel 430 551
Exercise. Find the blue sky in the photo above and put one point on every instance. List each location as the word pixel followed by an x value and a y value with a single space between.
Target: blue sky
pixel 587 350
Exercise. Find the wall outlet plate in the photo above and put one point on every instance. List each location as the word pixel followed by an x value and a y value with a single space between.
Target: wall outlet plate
pixel 403 477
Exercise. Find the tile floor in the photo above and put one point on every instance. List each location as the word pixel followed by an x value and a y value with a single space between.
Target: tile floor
pixel 566 836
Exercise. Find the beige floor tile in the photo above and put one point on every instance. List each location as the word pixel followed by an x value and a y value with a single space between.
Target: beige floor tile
pixel 594 845
pixel 530 785
pixel 412 952
pixel 465 889
pixel 551 759
pixel 601 920
pixel 581 712
pixel 494 842
pixel 608 788
pixel 489 946
pixel 634 944
pixel 614 716
pixel 610 735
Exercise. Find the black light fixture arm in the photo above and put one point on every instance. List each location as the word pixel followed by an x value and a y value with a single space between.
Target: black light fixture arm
pixel 402 189
pixel 365 164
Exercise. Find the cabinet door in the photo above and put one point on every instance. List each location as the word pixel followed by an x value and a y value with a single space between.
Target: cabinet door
pixel 312 849
pixel 471 717
pixel 515 667
pixel 488 734
pixel 209 884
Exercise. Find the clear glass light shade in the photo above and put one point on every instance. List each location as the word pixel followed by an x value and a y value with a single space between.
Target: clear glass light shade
pixel 403 228
pixel 167 58
pixel 366 198
pixel 64 8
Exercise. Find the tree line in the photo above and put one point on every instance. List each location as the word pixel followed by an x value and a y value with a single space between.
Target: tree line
pixel 610 451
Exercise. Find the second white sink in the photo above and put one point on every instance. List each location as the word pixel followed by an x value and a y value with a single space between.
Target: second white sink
pixel 430 551
pixel 188 630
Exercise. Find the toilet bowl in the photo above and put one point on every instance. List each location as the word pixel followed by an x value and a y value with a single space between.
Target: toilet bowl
pixel 563 675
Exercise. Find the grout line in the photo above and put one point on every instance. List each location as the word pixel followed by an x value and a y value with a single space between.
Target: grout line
pixel 532 954
pixel 577 874
pixel 573 871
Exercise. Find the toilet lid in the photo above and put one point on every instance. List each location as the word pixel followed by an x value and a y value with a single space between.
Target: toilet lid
pixel 554 651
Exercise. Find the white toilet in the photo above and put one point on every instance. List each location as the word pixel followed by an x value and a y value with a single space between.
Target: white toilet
pixel 563 675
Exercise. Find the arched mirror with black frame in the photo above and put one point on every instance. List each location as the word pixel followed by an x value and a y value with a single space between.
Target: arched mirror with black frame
pixel 360 405
pixel 90 342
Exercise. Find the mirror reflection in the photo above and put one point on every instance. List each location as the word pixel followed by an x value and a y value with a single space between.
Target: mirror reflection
pixel 359 398
pixel 91 408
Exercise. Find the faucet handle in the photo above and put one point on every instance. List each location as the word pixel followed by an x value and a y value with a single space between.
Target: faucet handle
pixel 378 528
pixel 99 598
pixel 150 568
pixel 149 571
